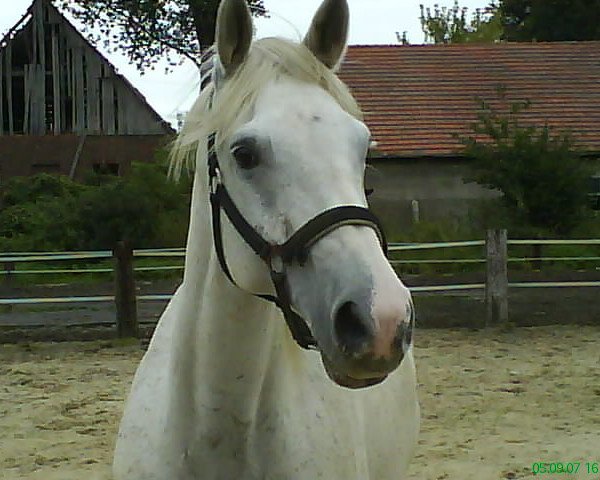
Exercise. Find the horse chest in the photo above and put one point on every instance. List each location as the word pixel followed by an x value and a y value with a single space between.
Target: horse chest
pixel 299 442
pixel 301 427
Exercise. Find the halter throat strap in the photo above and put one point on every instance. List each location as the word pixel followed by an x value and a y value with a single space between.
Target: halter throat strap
pixel 278 256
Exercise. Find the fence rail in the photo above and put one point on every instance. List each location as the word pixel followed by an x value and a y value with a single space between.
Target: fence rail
pixel 489 255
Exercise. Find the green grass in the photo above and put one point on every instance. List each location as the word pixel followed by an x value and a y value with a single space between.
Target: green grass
pixel 425 232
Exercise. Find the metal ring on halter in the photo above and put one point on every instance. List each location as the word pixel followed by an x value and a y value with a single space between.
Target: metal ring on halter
pixel 215 181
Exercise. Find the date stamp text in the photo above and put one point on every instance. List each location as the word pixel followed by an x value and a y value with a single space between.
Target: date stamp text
pixel 558 468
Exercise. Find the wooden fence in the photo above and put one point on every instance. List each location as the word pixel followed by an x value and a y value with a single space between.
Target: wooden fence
pixel 496 284
pixel 123 271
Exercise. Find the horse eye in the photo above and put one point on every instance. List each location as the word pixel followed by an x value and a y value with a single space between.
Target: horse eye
pixel 245 157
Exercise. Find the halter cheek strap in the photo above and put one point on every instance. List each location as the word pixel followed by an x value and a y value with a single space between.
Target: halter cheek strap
pixel 277 256
pixel 219 198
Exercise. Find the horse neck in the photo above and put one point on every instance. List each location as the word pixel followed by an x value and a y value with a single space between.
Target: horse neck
pixel 228 338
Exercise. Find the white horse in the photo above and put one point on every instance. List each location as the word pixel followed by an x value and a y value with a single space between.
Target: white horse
pixel 224 392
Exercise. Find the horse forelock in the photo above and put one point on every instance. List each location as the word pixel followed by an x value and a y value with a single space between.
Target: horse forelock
pixel 224 102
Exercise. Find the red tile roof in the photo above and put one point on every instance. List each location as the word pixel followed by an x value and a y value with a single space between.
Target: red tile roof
pixel 416 97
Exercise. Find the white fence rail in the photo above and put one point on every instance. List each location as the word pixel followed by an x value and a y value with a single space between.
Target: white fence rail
pixel 11 260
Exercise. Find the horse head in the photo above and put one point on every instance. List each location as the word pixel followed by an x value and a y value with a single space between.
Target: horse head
pixel 290 144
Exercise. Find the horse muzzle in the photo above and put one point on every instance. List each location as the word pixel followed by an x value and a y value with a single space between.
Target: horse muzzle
pixel 367 347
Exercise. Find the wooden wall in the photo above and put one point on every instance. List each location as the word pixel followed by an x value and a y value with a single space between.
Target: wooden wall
pixel 53 81
pixel 24 155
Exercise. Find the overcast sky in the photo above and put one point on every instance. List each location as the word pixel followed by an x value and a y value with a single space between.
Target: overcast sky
pixel 371 22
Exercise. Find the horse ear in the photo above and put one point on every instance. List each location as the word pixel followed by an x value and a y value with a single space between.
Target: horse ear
pixel 328 32
pixel 233 33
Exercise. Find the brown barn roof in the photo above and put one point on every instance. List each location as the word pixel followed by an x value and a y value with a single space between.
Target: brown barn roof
pixel 416 97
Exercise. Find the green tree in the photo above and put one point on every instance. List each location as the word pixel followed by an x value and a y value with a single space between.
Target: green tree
pixel 145 208
pixel 39 213
pixel 542 179
pixel 51 212
pixel 451 25
pixel 150 30
pixel 41 187
pixel 550 20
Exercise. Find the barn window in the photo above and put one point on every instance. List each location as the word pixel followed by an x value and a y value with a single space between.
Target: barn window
pixel 106 168
pixel 45 168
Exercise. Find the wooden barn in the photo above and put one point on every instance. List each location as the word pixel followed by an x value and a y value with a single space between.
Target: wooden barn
pixel 63 107
pixel 416 98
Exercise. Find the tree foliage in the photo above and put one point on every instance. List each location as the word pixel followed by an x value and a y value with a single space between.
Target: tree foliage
pixel 452 25
pixel 550 20
pixel 542 179
pixel 51 212
pixel 513 21
pixel 150 30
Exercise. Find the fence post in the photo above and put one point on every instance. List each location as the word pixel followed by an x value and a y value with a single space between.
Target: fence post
pixel 127 324
pixel 537 256
pixel 416 211
pixel 496 283
pixel 9 267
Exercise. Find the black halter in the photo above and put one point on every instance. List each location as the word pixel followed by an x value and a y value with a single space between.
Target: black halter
pixel 277 256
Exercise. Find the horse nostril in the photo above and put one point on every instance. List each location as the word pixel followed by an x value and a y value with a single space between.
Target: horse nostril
pixel 351 329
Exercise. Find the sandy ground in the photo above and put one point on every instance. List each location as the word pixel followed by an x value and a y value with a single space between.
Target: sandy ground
pixel 492 404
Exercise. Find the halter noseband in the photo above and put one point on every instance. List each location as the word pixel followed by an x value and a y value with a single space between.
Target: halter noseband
pixel 277 256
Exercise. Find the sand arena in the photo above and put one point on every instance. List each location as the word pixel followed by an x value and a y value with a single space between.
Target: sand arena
pixel 493 404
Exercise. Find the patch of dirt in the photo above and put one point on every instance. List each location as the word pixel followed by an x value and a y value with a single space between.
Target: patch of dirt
pixel 60 405
pixel 493 404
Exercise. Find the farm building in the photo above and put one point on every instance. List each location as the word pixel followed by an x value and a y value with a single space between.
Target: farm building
pixel 63 107
pixel 417 98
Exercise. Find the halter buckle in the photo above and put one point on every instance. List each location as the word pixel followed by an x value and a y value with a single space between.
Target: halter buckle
pixel 276 263
pixel 215 181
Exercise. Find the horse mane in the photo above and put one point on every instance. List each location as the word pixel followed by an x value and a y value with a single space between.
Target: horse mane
pixel 219 112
